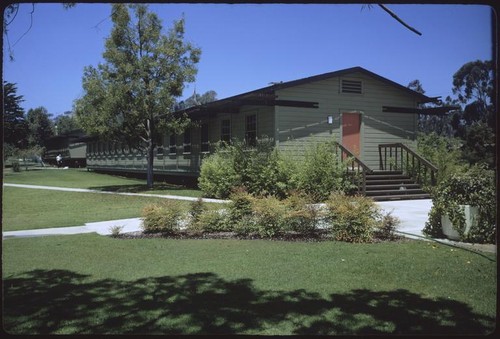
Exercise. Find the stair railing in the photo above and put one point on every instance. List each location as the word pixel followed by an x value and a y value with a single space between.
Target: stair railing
pixel 399 157
pixel 354 166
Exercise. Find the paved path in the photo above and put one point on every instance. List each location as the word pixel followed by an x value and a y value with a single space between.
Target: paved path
pixel 85 190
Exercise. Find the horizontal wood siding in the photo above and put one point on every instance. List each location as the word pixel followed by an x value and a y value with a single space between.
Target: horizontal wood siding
pixel 299 127
pixel 100 156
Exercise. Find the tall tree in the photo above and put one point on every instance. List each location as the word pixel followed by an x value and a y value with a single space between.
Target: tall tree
pixel 14 122
pixel 130 97
pixel 40 126
pixel 473 83
pixel 475 124
pixel 197 99
pixel 66 123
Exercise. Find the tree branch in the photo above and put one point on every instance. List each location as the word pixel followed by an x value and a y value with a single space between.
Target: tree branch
pixel 391 13
pixel 31 25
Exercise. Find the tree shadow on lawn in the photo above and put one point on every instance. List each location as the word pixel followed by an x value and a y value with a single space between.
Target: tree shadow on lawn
pixel 60 301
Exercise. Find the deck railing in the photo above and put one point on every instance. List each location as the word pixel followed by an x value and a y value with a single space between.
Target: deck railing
pixel 399 157
pixel 357 168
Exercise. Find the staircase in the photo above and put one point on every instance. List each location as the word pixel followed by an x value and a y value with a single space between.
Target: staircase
pixel 390 182
pixel 393 185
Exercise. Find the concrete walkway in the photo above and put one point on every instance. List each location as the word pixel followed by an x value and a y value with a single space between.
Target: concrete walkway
pixel 85 190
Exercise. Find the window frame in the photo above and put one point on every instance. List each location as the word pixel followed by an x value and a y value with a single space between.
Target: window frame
pixel 186 145
pixel 251 141
pixel 172 147
pixel 225 131
pixel 204 142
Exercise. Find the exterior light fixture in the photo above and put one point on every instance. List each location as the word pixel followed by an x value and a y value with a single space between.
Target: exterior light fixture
pixel 329 119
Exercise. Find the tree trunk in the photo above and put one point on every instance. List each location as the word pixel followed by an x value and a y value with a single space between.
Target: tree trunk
pixel 150 158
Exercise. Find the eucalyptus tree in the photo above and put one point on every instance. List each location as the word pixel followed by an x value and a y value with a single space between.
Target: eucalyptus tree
pixel 130 97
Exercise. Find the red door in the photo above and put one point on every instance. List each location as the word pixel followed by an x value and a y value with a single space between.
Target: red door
pixel 351 124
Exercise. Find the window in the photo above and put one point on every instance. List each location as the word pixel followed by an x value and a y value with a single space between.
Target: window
pixel 204 138
pixel 251 130
pixel 352 86
pixel 159 144
pixel 172 145
pixel 225 131
pixel 187 141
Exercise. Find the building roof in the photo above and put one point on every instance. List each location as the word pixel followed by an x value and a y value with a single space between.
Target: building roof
pixel 266 95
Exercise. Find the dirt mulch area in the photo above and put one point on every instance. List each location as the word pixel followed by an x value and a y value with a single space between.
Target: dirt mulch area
pixel 317 236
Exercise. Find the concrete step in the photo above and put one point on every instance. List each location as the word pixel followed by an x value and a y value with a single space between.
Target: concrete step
pixel 395 192
pixel 393 186
pixel 401 197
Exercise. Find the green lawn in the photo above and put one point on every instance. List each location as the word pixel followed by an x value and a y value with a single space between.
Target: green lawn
pixel 24 208
pixel 96 284
pixel 81 178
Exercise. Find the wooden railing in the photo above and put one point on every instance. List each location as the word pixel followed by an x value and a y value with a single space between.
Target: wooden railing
pixel 354 166
pixel 399 157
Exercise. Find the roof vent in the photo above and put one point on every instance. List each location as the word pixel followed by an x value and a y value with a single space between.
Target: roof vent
pixel 351 86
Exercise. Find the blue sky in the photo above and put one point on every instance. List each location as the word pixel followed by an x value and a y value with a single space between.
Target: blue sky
pixel 247 46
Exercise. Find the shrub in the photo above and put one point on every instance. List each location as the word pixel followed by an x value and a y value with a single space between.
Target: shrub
pixel 161 217
pixel 387 227
pixel 322 172
pixel 217 175
pixel 197 207
pixel 476 187
pixel 443 152
pixel 240 205
pixel 262 170
pixel 352 219
pixel 301 216
pixel 269 216
pixel 16 167
pixel 214 221
pixel 115 231
pixel 244 226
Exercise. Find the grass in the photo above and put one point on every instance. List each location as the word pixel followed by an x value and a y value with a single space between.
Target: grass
pixel 81 178
pixel 25 208
pixel 95 284
pixel 90 284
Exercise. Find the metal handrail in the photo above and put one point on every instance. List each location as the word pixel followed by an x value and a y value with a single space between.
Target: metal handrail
pixel 411 157
pixel 357 164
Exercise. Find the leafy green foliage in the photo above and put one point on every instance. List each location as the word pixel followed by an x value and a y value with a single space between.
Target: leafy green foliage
pixel 161 217
pixel 218 176
pixel 443 152
pixel 261 170
pixel 40 127
pixel 353 219
pixel 130 97
pixel 16 167
pixel 387 227
pixel 14 122
pixel 66 123
pixel 115 231
pixel 475 187
pixel 301 216
pixel 264 170
pixel 214 220
pixel 321 172
pixel 269 216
